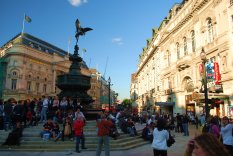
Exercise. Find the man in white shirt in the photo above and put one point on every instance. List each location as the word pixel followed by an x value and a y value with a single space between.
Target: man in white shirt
pixel 44 110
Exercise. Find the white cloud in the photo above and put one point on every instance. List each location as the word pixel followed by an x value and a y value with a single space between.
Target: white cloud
pixel 77 3
pixel 117 40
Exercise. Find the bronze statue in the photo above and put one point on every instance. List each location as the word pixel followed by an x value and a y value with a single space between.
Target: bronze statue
pixel 79 30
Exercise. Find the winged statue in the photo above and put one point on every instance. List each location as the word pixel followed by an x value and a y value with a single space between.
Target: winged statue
pixel 79 30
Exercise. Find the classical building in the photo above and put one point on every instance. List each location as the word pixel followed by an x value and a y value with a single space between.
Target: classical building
pixel 100 90
pixel 29 67
pixel 170 71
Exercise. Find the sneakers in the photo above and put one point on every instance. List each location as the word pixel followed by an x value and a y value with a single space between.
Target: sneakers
pixel 78 151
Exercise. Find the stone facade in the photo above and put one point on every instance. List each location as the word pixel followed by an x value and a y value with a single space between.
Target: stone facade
pixel 168 69
pixel 30 68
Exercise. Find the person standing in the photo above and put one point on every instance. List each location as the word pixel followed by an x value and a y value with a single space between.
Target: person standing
pixel 103 126
pixel 78 132
pixel 160 137
pixel 185 122
pixel 44 110
pixel 226 134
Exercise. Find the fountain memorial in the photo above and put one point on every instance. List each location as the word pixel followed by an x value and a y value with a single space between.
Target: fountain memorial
pixel 74 84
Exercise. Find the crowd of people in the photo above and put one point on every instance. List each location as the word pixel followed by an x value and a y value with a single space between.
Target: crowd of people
pixel 217 134
pixel 216 137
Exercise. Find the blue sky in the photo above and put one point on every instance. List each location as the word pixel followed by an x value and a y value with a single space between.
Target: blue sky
pixel 120 30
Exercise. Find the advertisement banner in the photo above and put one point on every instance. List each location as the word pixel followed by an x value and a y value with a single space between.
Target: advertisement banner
pixel 216 73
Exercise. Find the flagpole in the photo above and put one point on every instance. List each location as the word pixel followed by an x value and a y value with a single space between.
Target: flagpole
pixel 23 23
pixel 68 46
pixel 90 63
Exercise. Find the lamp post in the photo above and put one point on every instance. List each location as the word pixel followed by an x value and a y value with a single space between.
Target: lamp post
pixel 204 60
pixel 109 92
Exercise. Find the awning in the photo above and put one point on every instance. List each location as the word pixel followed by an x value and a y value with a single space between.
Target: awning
pixel 213 95
pixel 164 103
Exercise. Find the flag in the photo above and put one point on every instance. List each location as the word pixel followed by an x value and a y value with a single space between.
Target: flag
pixel 28 19
pixel 84 50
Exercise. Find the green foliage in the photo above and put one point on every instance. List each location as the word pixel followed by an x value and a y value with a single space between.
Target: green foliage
pixel 126 103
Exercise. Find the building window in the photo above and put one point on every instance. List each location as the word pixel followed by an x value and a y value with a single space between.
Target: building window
pixel 44 88
pixel 13 84
pixel 185 46
pixel 178 50
pixel 32 45
pixel 210 30
pixel 37 87
pixel 168 58
pixel 14 73
pixel 29 85
pixel 193 41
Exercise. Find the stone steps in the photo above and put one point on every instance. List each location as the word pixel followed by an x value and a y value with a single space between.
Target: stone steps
pixel 31 140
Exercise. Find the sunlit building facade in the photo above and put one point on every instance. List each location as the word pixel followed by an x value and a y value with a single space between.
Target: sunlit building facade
pixel 169 76
pixel 29 67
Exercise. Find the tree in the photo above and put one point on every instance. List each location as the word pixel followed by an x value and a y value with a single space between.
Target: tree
pixel 127 103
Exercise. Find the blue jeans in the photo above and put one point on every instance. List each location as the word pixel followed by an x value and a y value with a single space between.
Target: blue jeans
pixel 185 128
pixel 43 114
pixel 78 139
pixel 103 140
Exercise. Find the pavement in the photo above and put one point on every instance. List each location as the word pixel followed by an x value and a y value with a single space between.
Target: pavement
pixel 177 149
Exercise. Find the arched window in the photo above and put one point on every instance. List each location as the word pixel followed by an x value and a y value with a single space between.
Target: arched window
pixel 178 50
pixel 193 41
pixel 185 46
pixel 210 30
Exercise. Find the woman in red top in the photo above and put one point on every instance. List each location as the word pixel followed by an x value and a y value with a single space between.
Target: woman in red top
pixel 78 132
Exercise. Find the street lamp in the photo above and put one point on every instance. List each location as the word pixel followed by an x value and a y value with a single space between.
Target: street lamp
pixel 204 60
pixel 109 89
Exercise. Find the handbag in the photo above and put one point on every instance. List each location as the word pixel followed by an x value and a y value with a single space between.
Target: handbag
pixel 170 140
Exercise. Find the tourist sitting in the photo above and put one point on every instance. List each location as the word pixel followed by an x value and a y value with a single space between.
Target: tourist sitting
pixel 47 130
pixel 147 132
pixel 131 127
pixel 56 131
pixel 123 125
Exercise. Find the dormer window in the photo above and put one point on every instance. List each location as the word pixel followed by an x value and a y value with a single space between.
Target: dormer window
pixel 31 45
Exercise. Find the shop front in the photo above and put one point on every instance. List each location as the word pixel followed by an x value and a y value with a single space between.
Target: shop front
pixel 164 107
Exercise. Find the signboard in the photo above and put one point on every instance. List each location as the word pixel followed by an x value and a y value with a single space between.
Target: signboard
pixel 216 73
pixel 213 77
